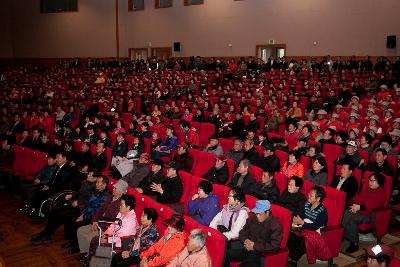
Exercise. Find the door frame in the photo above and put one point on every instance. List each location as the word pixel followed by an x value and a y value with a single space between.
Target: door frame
pixel 132 50
pixel 164 48
pixel 275 46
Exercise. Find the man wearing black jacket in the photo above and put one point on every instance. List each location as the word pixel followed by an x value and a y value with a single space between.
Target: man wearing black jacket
pixel 99 162
pixel 250 152
pixel 269 162
pixel 346 182
pixel 120 149
pixel 171 189
pixel 218 174
pixel 242 178
pixel 59 181
pixel 380 165
pixel 155 176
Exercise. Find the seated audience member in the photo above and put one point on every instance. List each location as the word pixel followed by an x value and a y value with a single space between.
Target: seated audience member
pixel 25 139
pixel 169 246
pixel 183 159
pixel 261 233
pixel 167 145
pixel 214 146
pixel 341 138
pixel 77 134
pixel 293 167
pixel 319 172
pixel 266 189
pixel 328 137
pixel 380 255
pixel 191 134
pixel 139 171
pixel 73 215
pixel 361 210
pixel 145 237
pixel 170 189
pixel 91 137
pixel 18 126
pixel 312 218
pixel 346 182
pixel 236 153
pixel 195 253
pixel 121 147
pixel 242 177
pixel 233 216
pixel 104 138
pixel 204 205
pixel 108 209
pixel 7 157
pixel 219 173
pixel 313 151
pixel 137 148
pixel 128 226
pixel 99 161
pixel 155 176
pixel 351 155
pixel 40 179
pixel 250 152
pixel 58 182
pixel 365 143
pixel 45 146
pixel 292 198
pixel 301 146
pixel 269 161
pixel 145 130
pixel 380 164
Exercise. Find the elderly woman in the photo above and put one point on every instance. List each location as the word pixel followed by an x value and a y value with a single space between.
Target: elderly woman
pixel 205 204
pixel 319 172
pixel 145 237
pixel 370 199
pixel 195 254
pixel 293 167
pixel 169 246
pixel 128 226
pixel 233 216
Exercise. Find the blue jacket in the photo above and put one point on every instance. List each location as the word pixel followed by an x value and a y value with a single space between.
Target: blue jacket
pixel 204 210
pixel 46 173
pixel 169 143
pixel 95 202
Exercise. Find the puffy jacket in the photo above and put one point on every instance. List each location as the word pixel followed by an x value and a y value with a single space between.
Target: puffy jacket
pixel 165 251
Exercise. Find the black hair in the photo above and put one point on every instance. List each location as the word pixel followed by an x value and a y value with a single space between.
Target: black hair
pixel 129 201
pixel 308 127
pixel 383 151
pixel 319 192
pixel 297 181
pixel 206 186
pixel 343 135
pixel 321 160
pixel 270 172
pixel 151 214
pixel 296 154
pixel 380 178
pixel 184 124
pixel 238 194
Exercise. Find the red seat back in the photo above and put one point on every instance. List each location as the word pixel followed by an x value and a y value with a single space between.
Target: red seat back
pixel 281 181
pixel 222 192
pixel 186 179
pixel 334 202
pixel 284 216
pixel 257 172
pixel 226 144
pixel 387 186
pixel 282 155
pixel 332 152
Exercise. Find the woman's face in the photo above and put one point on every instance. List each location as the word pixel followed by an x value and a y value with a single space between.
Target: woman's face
pixel 317 167
pixel 373 182
pixel 123 208
pixel 292 159
pixel 172 230
pixel 201 193
pixel 144 220
pixel 231 201
pixel 292 188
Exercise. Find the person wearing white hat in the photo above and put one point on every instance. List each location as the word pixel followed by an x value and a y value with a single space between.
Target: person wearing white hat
pixel 395 134
pixel 351 155
pixel 353 121
pixel 321 117
pixel 316 132
pixel 373 123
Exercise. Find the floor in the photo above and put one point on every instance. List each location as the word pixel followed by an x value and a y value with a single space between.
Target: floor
pixel 16 250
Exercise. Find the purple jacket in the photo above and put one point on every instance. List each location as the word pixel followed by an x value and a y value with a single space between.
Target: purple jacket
pixel 204 210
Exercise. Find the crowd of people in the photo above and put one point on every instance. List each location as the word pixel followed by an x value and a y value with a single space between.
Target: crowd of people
pixel 136 121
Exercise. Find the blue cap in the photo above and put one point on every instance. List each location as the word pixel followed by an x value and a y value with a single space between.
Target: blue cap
pixel 261 206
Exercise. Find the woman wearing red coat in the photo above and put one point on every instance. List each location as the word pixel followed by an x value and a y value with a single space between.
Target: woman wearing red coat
pixel 371 198
pixel 293 167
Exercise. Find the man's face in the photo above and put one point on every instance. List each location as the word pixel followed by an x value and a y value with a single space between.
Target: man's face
pixel 99 184
pixel 60 159
pixel 100 148
pixel 345 171
pixel 380 158
pixel 247 145
pixel 350 150
pixel 213 142
pixel 237 146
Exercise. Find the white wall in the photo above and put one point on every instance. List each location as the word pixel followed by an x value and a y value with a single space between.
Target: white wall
pixel 340 27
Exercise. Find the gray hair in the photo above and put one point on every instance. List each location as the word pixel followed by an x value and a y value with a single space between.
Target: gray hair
pixel 198 236
pixel 246 163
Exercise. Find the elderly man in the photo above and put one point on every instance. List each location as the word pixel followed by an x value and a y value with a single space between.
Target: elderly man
pixel 243 178
pixel 219 173
pixel 380 164
pixel 171 189
pixel 351 155
pixel 109 209
pixel 214 146
pixel 195 254
pixel 250 152
pixel 261 233
pixel 236 152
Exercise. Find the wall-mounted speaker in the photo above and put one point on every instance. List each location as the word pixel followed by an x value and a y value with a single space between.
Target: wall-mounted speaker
pixel 391 41
pixel 177 47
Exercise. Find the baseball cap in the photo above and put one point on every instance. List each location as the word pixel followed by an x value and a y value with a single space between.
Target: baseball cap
pixel 121 186
pixel 261 206
pixel 352 143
